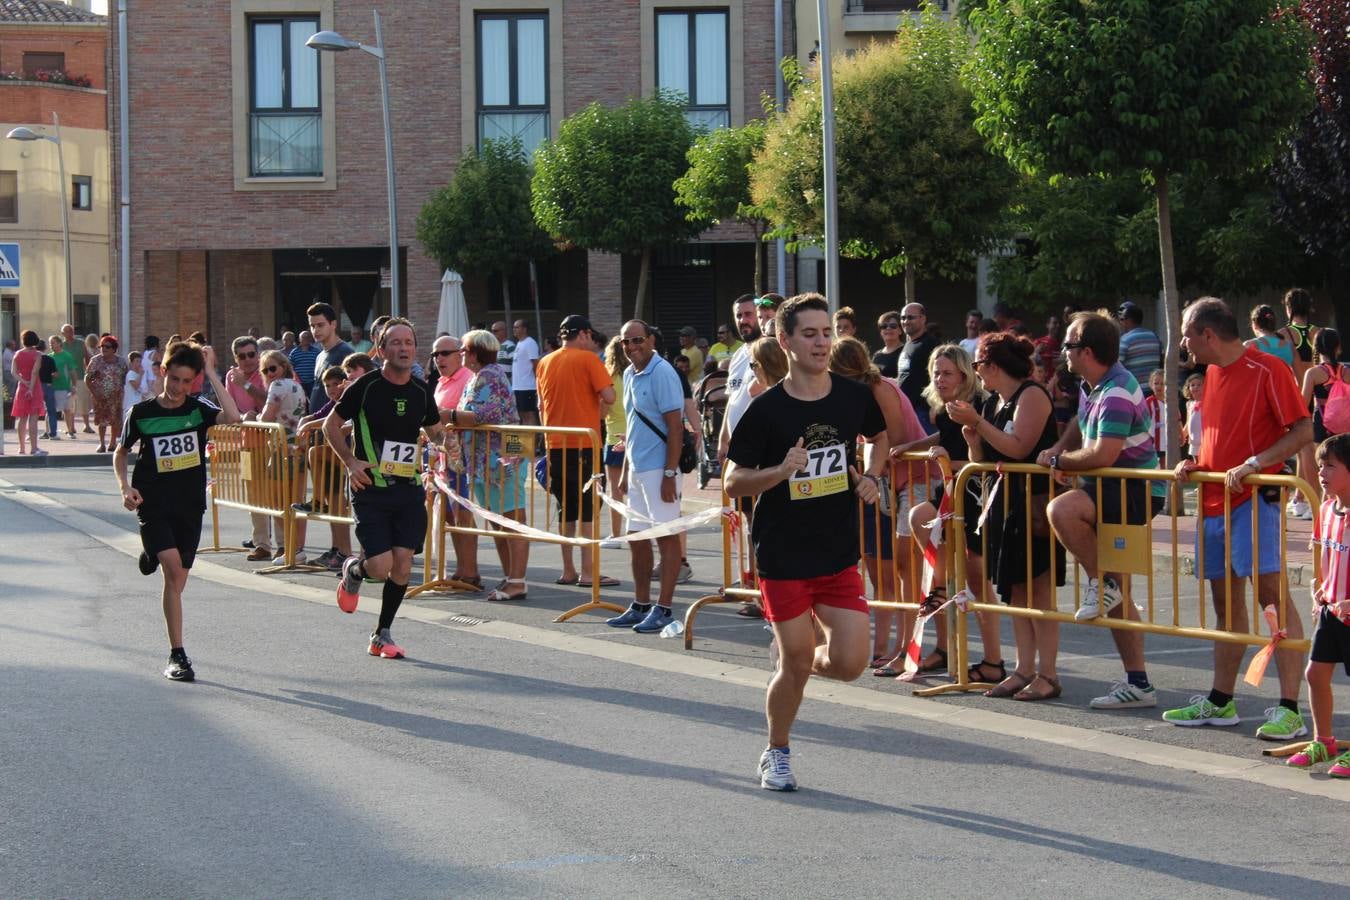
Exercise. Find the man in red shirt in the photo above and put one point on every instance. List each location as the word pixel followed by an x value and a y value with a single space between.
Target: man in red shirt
pixel 1254 419
pixel 573 383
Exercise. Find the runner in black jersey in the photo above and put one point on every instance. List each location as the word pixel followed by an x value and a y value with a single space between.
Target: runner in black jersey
pixel 388 410
pixel 168 486
pixel 794 448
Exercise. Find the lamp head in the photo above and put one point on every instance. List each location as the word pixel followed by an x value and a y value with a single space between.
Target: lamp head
pixel 331 40
pixel 24 133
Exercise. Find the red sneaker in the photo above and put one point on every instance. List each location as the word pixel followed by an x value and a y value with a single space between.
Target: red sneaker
pixel 349 586
pixel 382 649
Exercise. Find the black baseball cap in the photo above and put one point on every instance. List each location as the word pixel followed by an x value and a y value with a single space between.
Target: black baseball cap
pixel 574 324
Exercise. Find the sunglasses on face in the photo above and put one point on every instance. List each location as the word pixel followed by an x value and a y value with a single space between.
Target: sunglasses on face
pixel 1073 345
pixel 632 342
pixel 439 354
pixel 271 369
pixel 980 362
pixel 246 354
pixel 889 326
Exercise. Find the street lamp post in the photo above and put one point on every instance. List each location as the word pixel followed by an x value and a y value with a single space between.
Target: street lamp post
pixel 334 42
pixel 827 128
pixel 23 133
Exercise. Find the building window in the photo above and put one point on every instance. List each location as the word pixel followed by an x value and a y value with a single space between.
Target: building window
pixel 692 57
pixel 86 313
pixel 513 78
pixel 9 196
pixel 42 62
pixel 285 120
pixel 81 192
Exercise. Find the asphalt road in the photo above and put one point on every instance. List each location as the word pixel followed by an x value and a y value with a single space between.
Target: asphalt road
pixel 515 757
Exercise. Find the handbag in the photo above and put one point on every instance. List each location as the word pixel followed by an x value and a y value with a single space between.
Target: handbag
pixel 688 452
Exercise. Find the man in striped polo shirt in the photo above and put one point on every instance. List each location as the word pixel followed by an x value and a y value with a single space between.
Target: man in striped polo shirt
pixel 1113 429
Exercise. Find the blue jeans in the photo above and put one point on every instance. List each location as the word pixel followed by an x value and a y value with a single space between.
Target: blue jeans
pixel 53 414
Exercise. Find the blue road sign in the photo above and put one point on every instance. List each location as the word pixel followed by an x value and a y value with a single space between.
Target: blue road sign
pixel 9 265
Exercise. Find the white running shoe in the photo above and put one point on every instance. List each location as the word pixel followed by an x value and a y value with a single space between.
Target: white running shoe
pixel 775 771
pixel 1099 599
pixel 1123 695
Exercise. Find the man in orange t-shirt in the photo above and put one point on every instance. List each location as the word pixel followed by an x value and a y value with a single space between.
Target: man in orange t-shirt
pixel 573 386
pixel 1253 420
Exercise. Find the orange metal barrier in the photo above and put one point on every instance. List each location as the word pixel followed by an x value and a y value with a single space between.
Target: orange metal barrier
pixel 249 470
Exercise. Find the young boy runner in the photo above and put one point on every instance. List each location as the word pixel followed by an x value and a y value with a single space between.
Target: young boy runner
pixel 168 486
pixel 388 409
pixel 1331 605
pixel 794 448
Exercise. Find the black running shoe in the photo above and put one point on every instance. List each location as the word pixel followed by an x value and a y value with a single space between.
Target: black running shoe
pixel 179 669
pixel 147 563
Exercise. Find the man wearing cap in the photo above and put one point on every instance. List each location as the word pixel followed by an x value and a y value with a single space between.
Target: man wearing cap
pixel 573 384
pixel 689 348
pixel 1140 349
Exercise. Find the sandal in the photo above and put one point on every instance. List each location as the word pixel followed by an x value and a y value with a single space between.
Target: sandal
pixel 475 580
pixel 1010 686
pixel 939 666
pixel 562 579
pixel 887 672
pixel 877 661
pixel 936 597
pixel 975 673
pixel 499 595
pixel 751 611
pixel 605 581
pixel 1027 693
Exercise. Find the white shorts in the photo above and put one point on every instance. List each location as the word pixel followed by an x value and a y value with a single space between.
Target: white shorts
pixel 644 497
pixel 62 400
pixel 905 504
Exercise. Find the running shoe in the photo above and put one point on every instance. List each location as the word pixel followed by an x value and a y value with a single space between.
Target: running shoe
pixel 1316 752
pixel 686 573
pixel 349 588
pixel 336 563
pixel 179 668
pixel 775 771
pixel 326 557
pixel 628 619
pixel 39 452
pixel 1202 712
pixel 611 544
pixel 658 618
pixel 1099 599
pixel 1124 695
pixel 383 648
pixel 1340 766
pixel 147 563
pixel 1281 725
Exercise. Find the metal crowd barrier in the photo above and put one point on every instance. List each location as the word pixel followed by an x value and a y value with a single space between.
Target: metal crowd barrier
pixel 249 470
pixel 1128 549
pixel 516 446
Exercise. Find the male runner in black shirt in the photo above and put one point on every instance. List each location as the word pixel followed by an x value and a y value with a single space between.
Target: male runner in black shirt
pixel 795 448
pixel 388 409
pixel 168 486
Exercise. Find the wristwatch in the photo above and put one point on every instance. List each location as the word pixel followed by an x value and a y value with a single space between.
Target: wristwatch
pixel 1054 461
pixel 668 473
pixel 1253 462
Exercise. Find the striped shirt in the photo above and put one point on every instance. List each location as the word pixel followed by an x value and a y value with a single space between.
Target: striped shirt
pixel 1331 538
pixel 1115 408
pixel 1140 353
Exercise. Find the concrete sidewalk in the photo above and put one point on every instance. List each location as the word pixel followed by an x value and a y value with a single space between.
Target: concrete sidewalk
pixel 81 450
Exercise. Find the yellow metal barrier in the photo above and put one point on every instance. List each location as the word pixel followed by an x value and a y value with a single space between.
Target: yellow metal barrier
pixel 1129 549
pixel 250 470
pixel 499 464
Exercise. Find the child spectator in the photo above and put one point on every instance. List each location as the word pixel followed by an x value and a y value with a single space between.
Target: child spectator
pixel 1159 409
pixel 1193 390
pixel 1331 637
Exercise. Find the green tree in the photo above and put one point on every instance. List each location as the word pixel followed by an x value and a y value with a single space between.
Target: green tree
pixel 917 188
pixel 717 185
pixel 606 183
pixel 1067 87
pixel 481 221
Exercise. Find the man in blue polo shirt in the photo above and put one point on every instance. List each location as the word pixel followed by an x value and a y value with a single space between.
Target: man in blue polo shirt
pixel 653 402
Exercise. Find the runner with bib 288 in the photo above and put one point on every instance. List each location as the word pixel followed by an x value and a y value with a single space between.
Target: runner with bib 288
pixel 794 448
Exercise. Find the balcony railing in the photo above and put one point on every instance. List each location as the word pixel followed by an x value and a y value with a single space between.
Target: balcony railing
pixel 286 143
pixel 887 6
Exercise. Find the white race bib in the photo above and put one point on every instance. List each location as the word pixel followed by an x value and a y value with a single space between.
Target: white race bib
pixel 826 473
pixel 176 452
pixel 398 459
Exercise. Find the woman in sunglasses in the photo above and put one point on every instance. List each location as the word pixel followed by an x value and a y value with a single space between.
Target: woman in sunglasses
pixel 887 358
pixel 286 404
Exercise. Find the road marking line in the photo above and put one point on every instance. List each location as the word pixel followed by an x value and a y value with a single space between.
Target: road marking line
pixel 1097 743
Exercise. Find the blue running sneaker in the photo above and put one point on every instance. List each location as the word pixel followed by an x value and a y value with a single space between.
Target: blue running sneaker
pixel 657 619
pixel 629 618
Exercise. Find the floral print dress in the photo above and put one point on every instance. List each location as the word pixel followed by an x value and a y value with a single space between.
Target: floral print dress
pixel 106 379
pixel 498 483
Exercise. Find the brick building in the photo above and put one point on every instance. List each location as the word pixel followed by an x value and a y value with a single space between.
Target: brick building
pixel 53 59
pixel 257 164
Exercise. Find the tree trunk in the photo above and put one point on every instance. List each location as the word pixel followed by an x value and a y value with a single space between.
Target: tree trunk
pixel 506 300
pixel 1171 314
pixel 910 279
pixel 759 261
pixel 644 271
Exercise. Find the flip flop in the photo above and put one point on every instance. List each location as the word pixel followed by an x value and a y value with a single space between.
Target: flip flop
pixel 605 581
pixel 887 672
pixel 563 579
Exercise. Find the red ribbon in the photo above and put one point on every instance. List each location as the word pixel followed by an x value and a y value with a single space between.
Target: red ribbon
pixel 1257 670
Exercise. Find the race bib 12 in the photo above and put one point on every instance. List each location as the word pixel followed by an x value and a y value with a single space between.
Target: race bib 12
pixel 826 473
pixel 398 459
pixel 176 452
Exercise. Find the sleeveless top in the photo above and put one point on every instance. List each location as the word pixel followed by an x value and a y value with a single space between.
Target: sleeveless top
pixel 1303 347
pixel 1323 390
pixel 1002 417
pixel 1275 346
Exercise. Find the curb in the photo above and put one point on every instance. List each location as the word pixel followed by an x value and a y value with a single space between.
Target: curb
pixel 55 461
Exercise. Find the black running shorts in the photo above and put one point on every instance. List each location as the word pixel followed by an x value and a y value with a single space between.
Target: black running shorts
pixel 182 531
pixel 389 517
pixel 576 463
pixel 1331 640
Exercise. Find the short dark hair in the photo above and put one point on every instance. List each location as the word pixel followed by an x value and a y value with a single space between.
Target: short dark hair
pixel 186 355
pixel 846 312
pixel 1214 314
pixel 887 316
pixel 989 326
pixel 241 342
pixel 389 323
pixel 322 309
pixel 1336 447
pixel 358 361
pixel 789 310
pixel 151 342
pixel 1263 317
pixel 1099 334
pixel 975 312
pixel 1299 301
pixel 743 298
pixel 29 338
pixel 334 373
pixel 1009 352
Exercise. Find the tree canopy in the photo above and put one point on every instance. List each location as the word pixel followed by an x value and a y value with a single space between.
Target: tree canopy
pixel 716 187
pixel 917 188
pixel 606 182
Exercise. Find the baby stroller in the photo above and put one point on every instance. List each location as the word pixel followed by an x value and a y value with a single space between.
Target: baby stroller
pixel 710 398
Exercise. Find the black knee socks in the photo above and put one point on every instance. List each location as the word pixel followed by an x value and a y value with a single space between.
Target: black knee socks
pixel 393 599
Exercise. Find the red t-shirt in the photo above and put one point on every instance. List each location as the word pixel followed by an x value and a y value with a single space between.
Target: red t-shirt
pixel 570 382
pixel 1247 407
